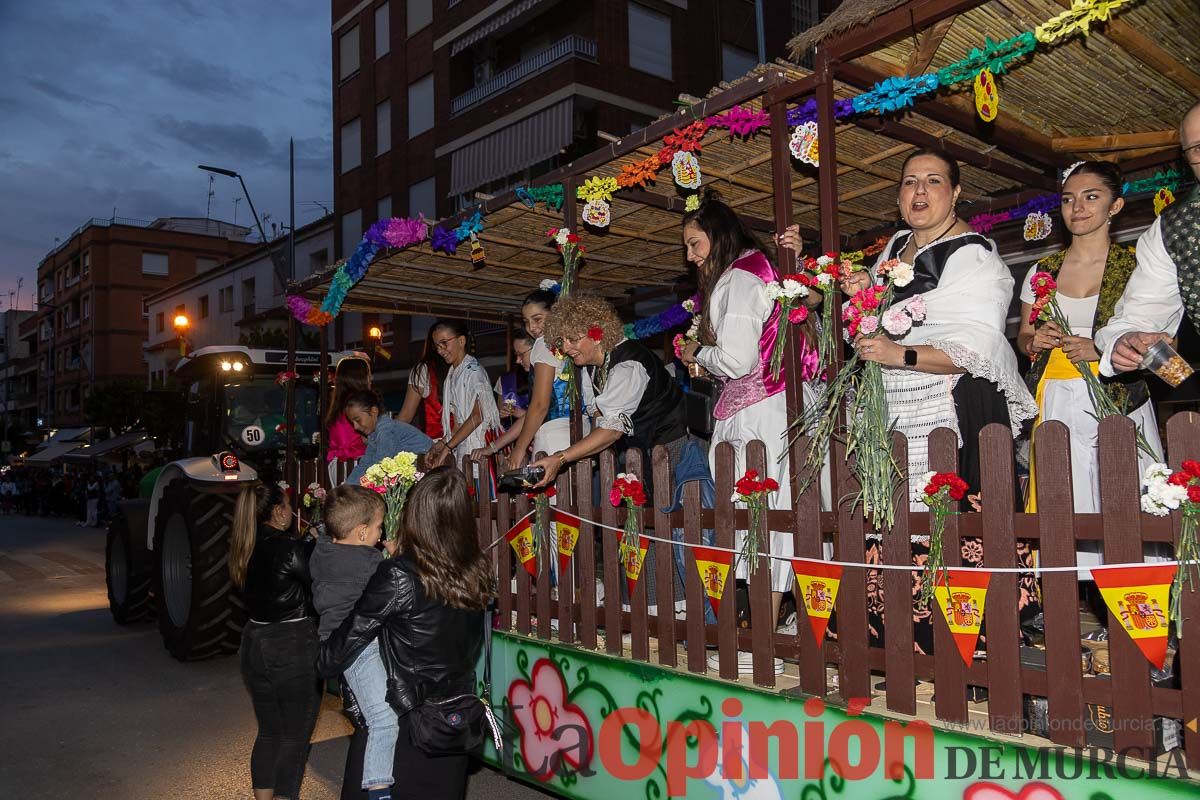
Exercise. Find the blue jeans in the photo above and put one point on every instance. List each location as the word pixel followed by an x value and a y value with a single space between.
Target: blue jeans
pixel 707 538
pixel 368 680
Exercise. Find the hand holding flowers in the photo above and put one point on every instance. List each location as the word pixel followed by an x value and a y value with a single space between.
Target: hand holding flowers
pixel 392 477
pixel 788 293
pixel 314 501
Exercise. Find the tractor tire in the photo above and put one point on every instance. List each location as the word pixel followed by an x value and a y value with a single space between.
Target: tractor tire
pixel 127 574
pixel 200 611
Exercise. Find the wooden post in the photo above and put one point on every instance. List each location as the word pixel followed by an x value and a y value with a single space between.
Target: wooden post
pixel 1005 705
pixel 899 665
pixel 762 621
pixel 664 560
pixel 1183 437
pixel 727 634
pixel 291 399
pixel 570 218
pixel 323 401
pixel 949 672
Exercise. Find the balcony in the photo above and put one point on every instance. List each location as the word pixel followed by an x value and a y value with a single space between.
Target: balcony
pixel 567 47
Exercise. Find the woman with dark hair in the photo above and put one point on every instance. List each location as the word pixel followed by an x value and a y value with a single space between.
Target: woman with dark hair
pixel 353 374
pixel 956 370
pixel 739 325
pixel 1091 274
pixel 546 426
pixel 424 392
pixel 279 643
pixel 470 419
pixel 512 388
pixel 427 606
pixel 385 436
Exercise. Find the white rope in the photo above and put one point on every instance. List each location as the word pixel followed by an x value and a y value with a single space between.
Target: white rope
pixel 1036 570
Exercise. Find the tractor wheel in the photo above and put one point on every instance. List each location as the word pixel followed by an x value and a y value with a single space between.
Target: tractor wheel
pixel 200 612
pixel 127 574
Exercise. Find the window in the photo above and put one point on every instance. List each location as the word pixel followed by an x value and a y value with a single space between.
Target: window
pixel 205 264
pixel 348 53
pixel 420 14
pixel 87 264
pixel 85 306
pixel 351 231
pixel 225 299
pixel 649 41
pixel 145 309
pixel 318 261
pixel 383 208
pixel 160 322
pixel 154 264
pixel 383 128
pixel 422 199
pixel 351 145
pixel 248 305
pixel 204 307
pixel 383 33
pixel 420 106
pixel 736 62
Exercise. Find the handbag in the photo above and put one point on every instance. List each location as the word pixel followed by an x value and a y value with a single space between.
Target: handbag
pixel 458 725
pixel 699 402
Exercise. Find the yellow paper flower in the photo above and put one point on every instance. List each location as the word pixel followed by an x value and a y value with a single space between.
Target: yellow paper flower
pixel 597 188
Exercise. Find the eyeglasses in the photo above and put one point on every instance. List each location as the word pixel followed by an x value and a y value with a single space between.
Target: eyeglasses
pixel 440 343
pixel 1192 153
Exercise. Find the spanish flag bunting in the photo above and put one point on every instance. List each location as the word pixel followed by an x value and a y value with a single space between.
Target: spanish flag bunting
pixel 632 562
pixel 1138 598
pixel 817 584
pixel 713 566
pixel 520 536
pixel 568 535
pixel 960 598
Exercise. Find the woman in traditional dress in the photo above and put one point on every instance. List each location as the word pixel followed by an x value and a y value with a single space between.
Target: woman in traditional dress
pixel 344 443
pixel 469 414
pixel 424 392
pixel 1091 275
pixel 739 325
pixel 956 370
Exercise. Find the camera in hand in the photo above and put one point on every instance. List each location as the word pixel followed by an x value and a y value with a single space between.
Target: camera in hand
pixel 519 481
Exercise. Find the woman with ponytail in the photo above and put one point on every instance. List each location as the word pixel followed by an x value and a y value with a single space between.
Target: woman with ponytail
pixel 279 643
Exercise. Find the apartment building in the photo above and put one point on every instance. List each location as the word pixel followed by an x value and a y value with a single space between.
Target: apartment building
pixel 18 377
pixel 92 320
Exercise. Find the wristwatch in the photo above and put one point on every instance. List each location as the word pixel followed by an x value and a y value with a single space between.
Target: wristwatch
pixel 910 357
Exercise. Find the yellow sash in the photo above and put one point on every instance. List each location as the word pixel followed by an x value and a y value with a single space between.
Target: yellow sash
pixel 1058 368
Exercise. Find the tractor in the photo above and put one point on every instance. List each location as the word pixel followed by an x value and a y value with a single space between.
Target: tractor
pixel 167 555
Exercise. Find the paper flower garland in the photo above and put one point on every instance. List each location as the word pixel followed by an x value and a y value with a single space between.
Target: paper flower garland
pixel 740 121
pixel 987 96
pixel 1037 226
pixel 447 240
pixel 803 144
pixel 639 173
pixel 1162 198
pixel 551 195
pixel 1077 19
pixel 993 56
pixel 983 223
pixel 685 168
pixel 673 317
pixel 692 203
pixel 597 188
pixel 394 233
pixel 894 94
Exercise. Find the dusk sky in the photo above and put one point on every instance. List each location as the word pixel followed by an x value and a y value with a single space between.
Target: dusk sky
pixel 112 104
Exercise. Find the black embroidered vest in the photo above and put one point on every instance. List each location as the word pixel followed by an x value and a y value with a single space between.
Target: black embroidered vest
pixel 1181 238
pixel 659 418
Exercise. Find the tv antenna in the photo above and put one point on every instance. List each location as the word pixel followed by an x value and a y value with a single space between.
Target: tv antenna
pixel 236 200
pixel 211 192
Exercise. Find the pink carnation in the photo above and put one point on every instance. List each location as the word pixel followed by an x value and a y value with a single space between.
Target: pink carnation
pixel 798 315
pixel 868 326
pixel 915 308
pixel 896 322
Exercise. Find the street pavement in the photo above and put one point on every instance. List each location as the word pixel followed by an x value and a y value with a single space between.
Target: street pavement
pixel 95 710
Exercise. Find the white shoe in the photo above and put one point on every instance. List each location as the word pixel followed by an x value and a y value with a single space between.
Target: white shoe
pixel 788 628
pixel 745 663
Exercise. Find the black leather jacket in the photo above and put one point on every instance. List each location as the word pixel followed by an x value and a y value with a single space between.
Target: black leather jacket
pixel 278 586
pixel 429 649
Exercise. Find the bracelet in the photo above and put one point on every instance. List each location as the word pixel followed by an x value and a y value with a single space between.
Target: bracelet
pixel 562 459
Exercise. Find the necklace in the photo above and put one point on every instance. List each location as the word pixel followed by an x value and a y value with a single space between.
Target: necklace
pixel 602 376
pixel 937 238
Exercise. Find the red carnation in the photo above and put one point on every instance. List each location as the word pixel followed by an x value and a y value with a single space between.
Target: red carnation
pixel 1179 479
pixel 1192 467
pixel 931 489
pixel 572 238
pixel 614 497
pixel 595 333
pixel 1194 494
pixel 770 484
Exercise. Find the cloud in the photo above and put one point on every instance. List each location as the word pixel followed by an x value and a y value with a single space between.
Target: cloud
pixel 236 141
pixel 200 77
pixel 57 92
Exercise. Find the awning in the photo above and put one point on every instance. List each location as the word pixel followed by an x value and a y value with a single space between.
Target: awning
pixel 108 446
pixel 493 24
pixel 66 435
pixel 512 149
pixel 48 455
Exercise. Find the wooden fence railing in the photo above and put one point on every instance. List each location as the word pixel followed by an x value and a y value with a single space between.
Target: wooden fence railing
pixel 571 614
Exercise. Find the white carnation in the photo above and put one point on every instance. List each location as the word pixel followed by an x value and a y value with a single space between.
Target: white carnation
pixel 793 289
pixel 1150 506
pixel 825 279
pixel 548 285
pixel 774 290
pixel 902 274
pixel 824 260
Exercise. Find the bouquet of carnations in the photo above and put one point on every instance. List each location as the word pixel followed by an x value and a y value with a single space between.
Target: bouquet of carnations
pixel 752 492
pixel 314 501
pixel 628 491
pixel 942 489
pixel 392 477
pixel 1046 308
pixel 1168 491
pixel 824 273
pixel 542 544
pixel 568 246
pixel 693 331
pixel 788 293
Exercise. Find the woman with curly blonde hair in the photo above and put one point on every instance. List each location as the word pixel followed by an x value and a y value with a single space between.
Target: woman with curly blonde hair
pixel 636 402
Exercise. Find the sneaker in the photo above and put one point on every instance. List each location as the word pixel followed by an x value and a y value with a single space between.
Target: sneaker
pixel 745 663
pixel 788 628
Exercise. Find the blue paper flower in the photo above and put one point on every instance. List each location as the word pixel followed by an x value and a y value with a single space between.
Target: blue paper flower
pixel 445 239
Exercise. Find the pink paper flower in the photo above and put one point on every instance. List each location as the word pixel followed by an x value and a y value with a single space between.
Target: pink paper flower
pixel 552 730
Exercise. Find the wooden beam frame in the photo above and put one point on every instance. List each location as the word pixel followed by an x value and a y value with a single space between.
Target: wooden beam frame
pixel 901 21
pixel 927 46
pixel 1116 141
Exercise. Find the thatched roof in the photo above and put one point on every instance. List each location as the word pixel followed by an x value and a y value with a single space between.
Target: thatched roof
pixel 850 14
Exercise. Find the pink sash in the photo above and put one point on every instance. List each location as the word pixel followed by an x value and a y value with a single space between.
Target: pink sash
pixel 741 393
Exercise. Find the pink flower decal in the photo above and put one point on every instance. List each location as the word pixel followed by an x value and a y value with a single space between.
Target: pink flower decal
pixel 552 730
pixel 1030 791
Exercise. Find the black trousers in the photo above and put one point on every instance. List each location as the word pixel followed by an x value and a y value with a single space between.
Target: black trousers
pixel 418 776
pixel 279 668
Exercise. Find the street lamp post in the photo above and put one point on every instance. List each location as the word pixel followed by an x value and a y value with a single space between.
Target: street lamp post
pixel 182 323
pixel 276 258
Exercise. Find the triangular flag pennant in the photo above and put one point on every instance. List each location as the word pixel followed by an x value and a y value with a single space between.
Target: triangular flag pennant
pixel 632 561
pixel 960 599
pixel 818 584
pixel 1139 599
pixel 568 535
pixel 713 566
pixel 520 536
